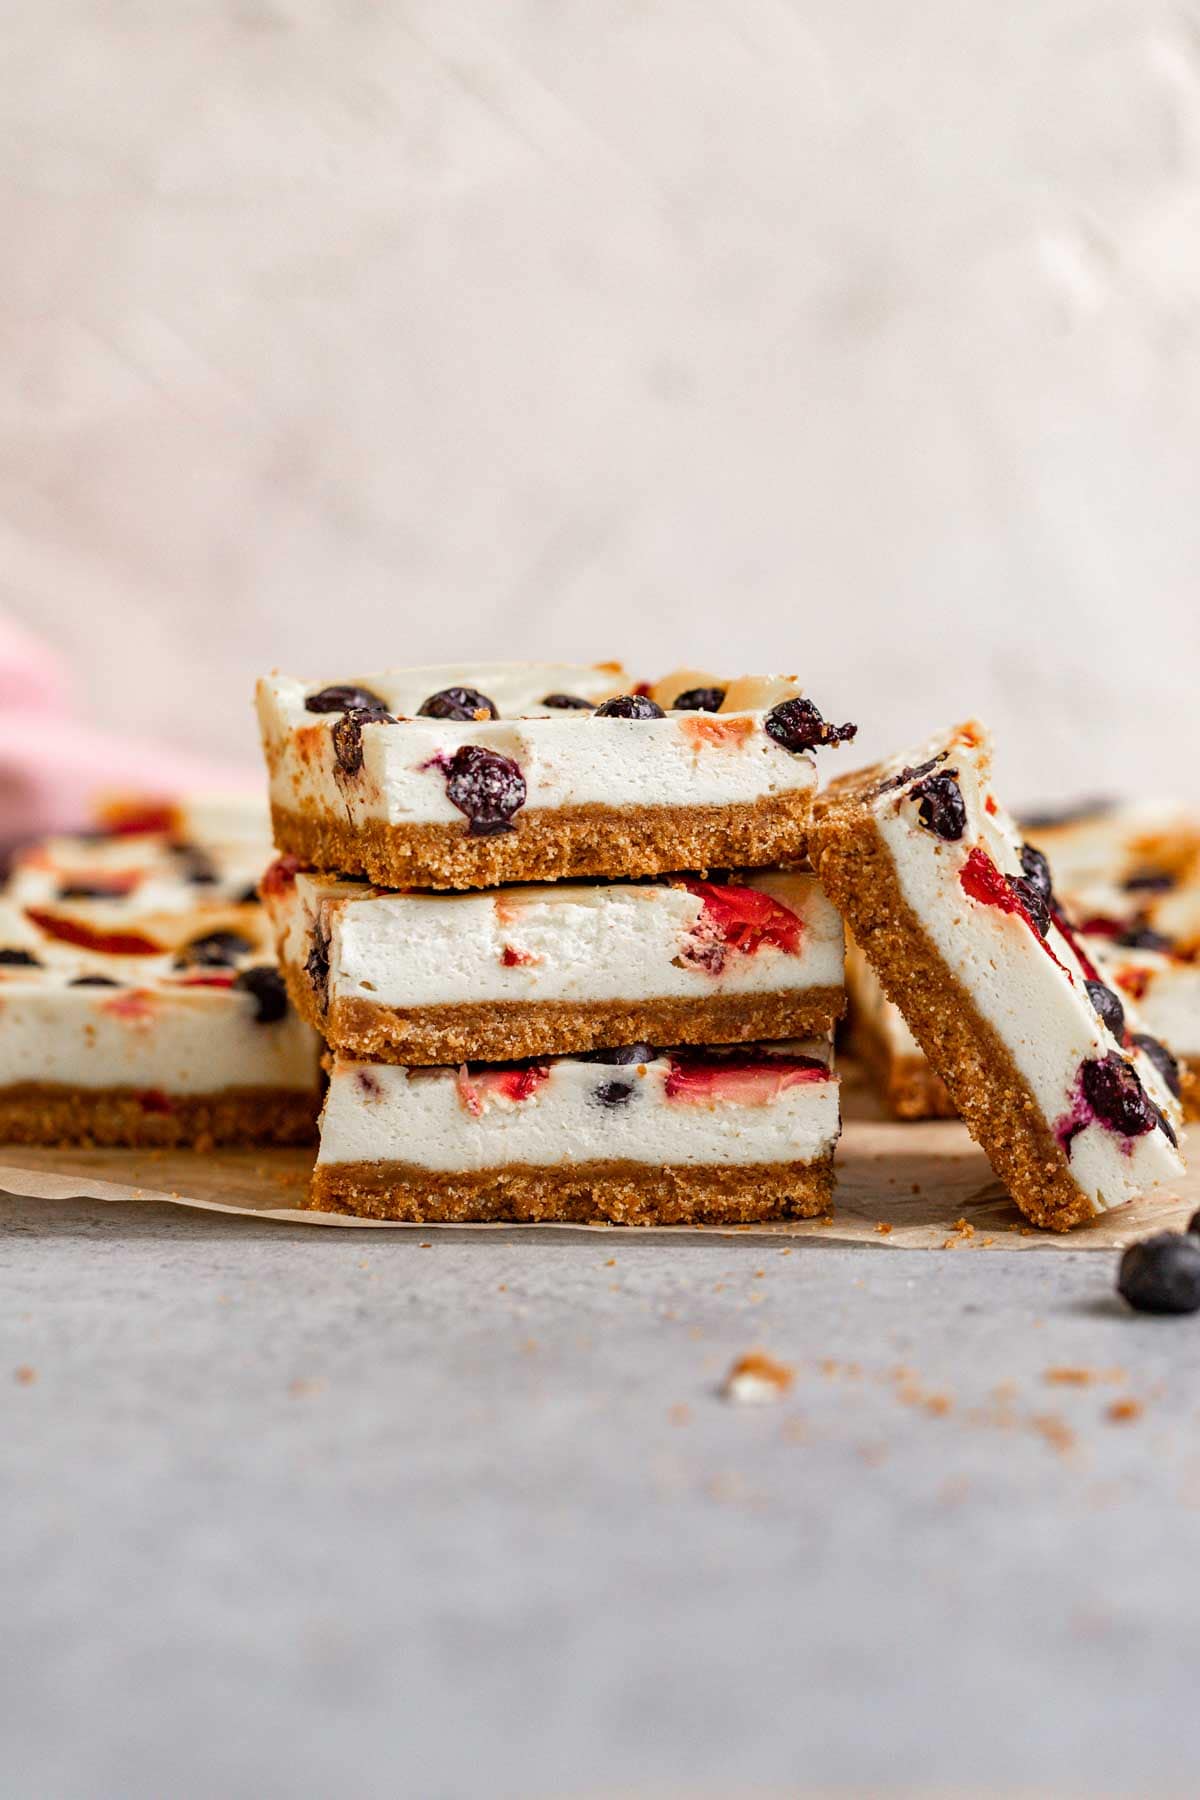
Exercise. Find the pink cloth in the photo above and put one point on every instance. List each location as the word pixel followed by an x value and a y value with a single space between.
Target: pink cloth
pixel 54 767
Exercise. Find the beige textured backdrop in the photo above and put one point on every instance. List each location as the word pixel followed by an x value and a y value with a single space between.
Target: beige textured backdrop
pixel 855 338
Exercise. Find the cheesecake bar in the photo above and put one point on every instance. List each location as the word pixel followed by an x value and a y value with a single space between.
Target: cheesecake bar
pixel 465 778
pixel 562 967
pixel 883 1043
pixel 109 875
pixel 1129 844
pixel 151 1028
pixel 957 918
pixel 635 1136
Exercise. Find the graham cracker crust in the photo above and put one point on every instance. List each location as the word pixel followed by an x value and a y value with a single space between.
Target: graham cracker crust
pixel 855 868
pixel 557 842
pixel 615 1192
pixel 35 1112
pixel 907 1085
pixel 507 1030
pixel 1189 1091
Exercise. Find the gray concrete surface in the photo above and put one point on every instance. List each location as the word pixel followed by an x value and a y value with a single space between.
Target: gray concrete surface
pixel 315 1513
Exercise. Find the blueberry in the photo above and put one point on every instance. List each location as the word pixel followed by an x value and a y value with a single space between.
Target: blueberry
pixel 942 809
pixel 1193 1225
pixel 1033 900
pixel 345 699
pixel 1162 1059
pixel 630 706
pixel 699 700
pixel 910 774
pixel 1115 1094
pixel 615 1093
pixel 1109 1006
pixel 215 950
pixel 797 725
pixel 1142 937
pixel 347 736
pixel 249 896
pixel 1149 881
pixel 84 890
pixel 1161 1274
pixel 567 703
pixel 196 865
pixel 458 703
pixel 622 1054
pixel 19 959
pixel 1037 870
pixel 93 981
pixel 487 787
pixel 270 994
pixel 316 966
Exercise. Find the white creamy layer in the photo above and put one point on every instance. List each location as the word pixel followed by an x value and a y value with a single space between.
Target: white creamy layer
pixel 156 1028
pixel 563 941
pixel 1045 1019
pixel 1161 995
pixel 448 1120
pixel 567 759
pixel 149 873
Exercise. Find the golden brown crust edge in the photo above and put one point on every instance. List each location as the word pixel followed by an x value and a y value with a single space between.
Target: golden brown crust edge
pixel 507 1030
pixel 554 844
pixel 1189 1091
pixel 907 1085
pixel 35 1112
pixel 855 868
pixel 616 1193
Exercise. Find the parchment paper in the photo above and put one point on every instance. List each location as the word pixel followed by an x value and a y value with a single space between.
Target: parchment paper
pixel 926 1183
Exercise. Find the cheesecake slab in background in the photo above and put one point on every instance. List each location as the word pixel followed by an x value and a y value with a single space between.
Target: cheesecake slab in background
pixel 880 1038
pixel 466 778
pixel 956 917
pixel 639 1137
pixel 549 970
pixel 149 1028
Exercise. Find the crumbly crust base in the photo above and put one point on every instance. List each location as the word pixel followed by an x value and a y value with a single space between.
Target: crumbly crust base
pixel 551 844
pixel 907 1085
pixel 855 868
pixel 35 1112
pixel 506 1030
pixel 1189 1091
pixel 618 1191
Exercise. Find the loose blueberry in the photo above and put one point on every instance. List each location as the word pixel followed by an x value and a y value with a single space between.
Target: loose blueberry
pixel 1108 1005
pixel 942 809
pixel 567 703
pixel 699 700
pixel 1142 937
pixel 215 950
pixel 458 703
pixel 1193 1225
pixel 629 706
pixel 1162 1059
pixel 270 994
pixel 93 981
pixel 19 959
pixel 487 787
pixel 1033 900
pixel 1161 1274
pixel 797 725
pixel 1114 1092
pixel 622 1054
pixel 347 736
pixel 345 699
pixel 615 1093
pixel 1037 870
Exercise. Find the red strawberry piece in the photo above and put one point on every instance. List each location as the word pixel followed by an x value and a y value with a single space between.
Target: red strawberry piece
pixel 699 1080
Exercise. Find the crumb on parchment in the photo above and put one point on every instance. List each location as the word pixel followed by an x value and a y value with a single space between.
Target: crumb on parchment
pixel 757 1378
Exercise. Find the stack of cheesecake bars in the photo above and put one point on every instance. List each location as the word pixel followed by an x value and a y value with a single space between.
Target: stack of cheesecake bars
pixel 555 932
pixel 573 946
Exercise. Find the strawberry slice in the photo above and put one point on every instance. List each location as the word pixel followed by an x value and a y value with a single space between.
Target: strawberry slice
pixel 281 875
pixel 475 1085
pixel 739 921
pixel 699 1080
pixel 87 937
pixel 982 880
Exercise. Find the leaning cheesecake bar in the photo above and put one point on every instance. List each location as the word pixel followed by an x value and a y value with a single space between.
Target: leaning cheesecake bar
pixel 161 1028
pixel 465 778
pixel 957 918
pixel 635 1137
pixel 557 968
pixel 882 1041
